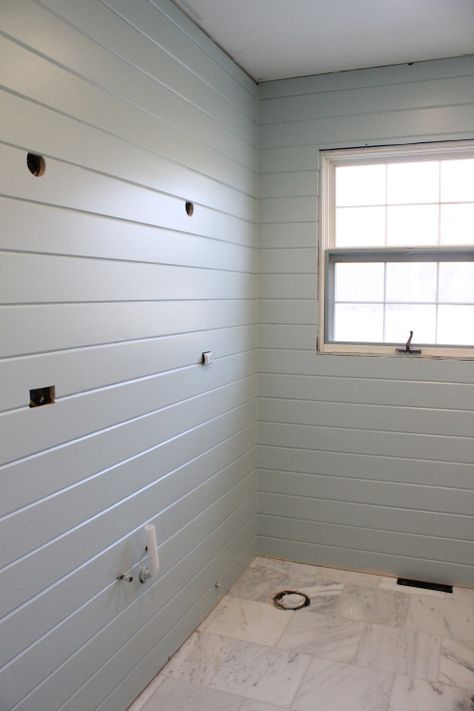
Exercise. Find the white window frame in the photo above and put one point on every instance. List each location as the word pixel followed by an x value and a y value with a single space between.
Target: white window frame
pixel 328 253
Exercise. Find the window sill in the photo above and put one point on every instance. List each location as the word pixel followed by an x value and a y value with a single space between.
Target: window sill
pixel 358 349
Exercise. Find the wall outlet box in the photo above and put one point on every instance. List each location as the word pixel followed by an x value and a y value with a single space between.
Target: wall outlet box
pixel 207 357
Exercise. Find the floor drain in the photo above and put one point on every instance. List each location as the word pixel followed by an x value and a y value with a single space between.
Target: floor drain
pixel 291 600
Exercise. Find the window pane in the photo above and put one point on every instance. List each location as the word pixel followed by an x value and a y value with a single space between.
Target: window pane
pixel 411 281
pixel 401 319
pixel 456 325
pixel 456 282
pixel 358 322
pixel 457 180
pixel 412 225
pixel 360 227
pixel 360 185
pixel 457 224
pixel 358 282
pixel 413 182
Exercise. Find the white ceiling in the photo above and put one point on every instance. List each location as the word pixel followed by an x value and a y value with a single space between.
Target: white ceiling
pixel 273 39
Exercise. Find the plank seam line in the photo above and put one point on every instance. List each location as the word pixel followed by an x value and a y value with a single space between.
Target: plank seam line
pixel 358 503
pixel 358 87
pixel 123 611
pixel 103 472
pixel 128 142
pixel 142 109
pixel 64 534
pixel 364 454
pixel 126 341
pixel 124 423
pixel 376 482
pixel 364 550
pixel 396 433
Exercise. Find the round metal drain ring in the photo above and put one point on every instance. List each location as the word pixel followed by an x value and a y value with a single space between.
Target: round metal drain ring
pixel 291 600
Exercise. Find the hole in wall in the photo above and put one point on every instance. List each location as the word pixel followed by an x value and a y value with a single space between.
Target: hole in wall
pixel 42 396
pixel 189 209
pixel 36 164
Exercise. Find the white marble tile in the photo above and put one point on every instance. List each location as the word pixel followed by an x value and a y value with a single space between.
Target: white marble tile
pixel 333 686
pixel 373 605
pixel 251 705
pixel 418 695
pixel 391 584
pixel 349 577
pixel 325 636
pixel 248 620
pixel 260 583
pixel 400 651
pixel 287 567
pixel 463 594
pixel 456 665
pixel 261 673
pixel 177 695
pixel 446 617
pixel 324 595
pixel 199 658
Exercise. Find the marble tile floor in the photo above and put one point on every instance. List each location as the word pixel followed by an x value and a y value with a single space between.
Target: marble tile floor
pixel 364 644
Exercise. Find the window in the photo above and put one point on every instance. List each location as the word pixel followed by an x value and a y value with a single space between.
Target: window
pixel 397 250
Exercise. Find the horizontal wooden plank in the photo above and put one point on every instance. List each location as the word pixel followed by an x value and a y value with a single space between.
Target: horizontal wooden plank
pixel 286 286
pixel 58 597
pixel 282 158
pixel 49 327
pixel 351 559
pixel 359 441
pixel 384 542
pixel 125 90
pixel 32 478
pixel 378 76
pixel 386 126
pixel 362 515
pixel 75 371
pixel 70 279
pixel 75 417
pixel 223 521
pixel 288 261
pixel 54 516
pixel 367 466
pixel 45 83
pixel 375 391
pixel 351 102
pixel 72 187
pixel 403 498
pixel 199 495
pixel 65 232
pixel 291 184
pixel 294 337
pixel 386 367
pixel 288 209
pixel 417 420
pixel 282 236
pixel 294 312
pixel 202 54
pixel 34 127
pixel 141 85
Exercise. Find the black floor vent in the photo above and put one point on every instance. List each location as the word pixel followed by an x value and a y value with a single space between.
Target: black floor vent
pixel 426 586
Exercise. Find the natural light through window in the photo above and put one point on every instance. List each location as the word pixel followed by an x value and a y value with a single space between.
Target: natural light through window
pixel 397 249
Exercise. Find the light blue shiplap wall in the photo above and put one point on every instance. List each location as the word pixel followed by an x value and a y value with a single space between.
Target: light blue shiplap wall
pixel 111 292
pixel 364 462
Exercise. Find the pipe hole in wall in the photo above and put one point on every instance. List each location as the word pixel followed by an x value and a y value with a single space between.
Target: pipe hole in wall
pixel 189 209
pixel 36 164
